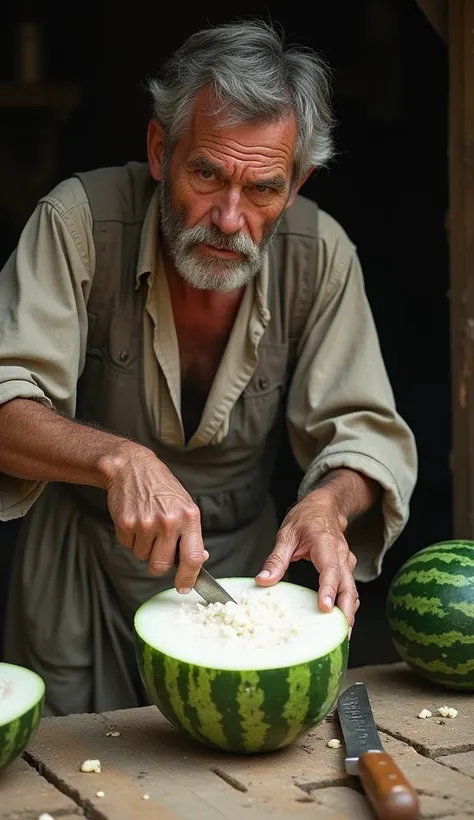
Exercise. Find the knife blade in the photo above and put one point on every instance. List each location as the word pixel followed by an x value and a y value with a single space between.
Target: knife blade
pixel 207 587
pixel 391 795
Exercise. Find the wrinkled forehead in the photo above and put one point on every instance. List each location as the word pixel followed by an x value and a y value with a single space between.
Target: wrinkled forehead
pixel 258 145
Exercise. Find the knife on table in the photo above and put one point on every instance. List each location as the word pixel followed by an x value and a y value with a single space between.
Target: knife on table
pixel 386 787
pixel 207 587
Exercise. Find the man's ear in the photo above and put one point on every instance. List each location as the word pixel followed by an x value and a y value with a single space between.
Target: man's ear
pixel 297 185
pixel 155 143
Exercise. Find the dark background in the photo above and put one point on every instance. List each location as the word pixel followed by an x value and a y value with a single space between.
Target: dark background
pixel 387 186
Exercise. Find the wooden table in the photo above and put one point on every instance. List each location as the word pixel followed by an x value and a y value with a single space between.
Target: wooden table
pixel 183 780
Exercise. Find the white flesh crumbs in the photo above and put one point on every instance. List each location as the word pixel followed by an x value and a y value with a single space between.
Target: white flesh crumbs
pixel 263 621
pixel 270 628
pixel 5 688
pixel 91 766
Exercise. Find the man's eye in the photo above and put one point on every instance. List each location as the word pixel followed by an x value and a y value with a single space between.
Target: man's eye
pixel 262 189
pixel 206 174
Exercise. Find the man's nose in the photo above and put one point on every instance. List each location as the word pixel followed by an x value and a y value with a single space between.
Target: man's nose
pixel 227 214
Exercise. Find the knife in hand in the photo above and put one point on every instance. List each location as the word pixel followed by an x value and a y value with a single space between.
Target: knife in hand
pixel 206 586
pixel 389 792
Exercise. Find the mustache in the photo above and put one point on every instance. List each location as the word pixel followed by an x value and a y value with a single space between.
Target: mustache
pixel 209 235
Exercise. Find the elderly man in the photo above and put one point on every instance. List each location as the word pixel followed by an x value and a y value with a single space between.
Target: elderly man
pixel 160 324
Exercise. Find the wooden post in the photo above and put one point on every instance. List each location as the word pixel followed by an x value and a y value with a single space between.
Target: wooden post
pixel 461 239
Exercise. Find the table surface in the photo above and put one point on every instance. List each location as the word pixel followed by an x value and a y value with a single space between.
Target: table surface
pixel 184 780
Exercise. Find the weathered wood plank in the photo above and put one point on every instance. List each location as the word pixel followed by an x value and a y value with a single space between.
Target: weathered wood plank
pixel 25 795
pixel 440 792
pixel 149 757
pixel 209 774
pixel 341 802
pixel 463 763
pixel 291 772
pixel 398 696
pixel 461 240
pixel 184 779
pixel 62 744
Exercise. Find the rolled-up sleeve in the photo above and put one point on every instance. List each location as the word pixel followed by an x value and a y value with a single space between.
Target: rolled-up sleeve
pixel 341 408
pixel 44 287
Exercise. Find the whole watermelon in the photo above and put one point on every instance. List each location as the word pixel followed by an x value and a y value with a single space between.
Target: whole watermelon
pixel 430 610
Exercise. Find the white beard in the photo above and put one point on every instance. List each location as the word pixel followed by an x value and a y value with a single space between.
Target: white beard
pixel 223 275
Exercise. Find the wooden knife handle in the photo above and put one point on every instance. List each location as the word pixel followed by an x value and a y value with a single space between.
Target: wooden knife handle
pixel 387 788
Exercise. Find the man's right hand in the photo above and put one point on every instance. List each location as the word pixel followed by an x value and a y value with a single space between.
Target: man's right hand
pixel 151 510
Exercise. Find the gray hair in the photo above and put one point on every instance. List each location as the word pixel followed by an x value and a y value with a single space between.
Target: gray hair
pixel 254 77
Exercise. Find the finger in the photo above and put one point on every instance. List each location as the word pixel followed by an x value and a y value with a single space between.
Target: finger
pixel 346 603
pixel 352 561
pixel 278 561
pixel 125 530
pixel 357 604
pixel 348 597
pixel 329 580
pixel 191 558
pixel 145 534
pixel 176 557
pixel 161 558
pixel 324 554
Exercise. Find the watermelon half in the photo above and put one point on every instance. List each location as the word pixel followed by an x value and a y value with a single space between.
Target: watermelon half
pixel 430 610
pixel 237 697
pixel 21 703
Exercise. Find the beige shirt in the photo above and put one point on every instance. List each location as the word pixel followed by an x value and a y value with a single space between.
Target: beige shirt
pixel 44 290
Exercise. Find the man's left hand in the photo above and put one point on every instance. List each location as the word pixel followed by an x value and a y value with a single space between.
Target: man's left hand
pixel 315 532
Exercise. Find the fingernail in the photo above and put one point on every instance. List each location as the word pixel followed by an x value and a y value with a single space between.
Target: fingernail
pixel 350 632
pixel 184 591
pixel 328 601
pixel 206 555
pixel 265 573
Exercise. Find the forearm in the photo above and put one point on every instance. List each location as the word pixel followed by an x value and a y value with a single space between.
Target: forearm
pixel 347 492
pixel 38 444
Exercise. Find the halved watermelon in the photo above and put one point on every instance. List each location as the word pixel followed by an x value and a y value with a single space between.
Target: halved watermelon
pixel 21 702
pixel 233 692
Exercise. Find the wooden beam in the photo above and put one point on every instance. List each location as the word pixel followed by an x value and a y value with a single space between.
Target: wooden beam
pixel 437 13
pixel 461 239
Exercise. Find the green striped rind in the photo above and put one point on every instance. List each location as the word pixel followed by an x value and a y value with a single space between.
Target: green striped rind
pixel 243 711
pixel 430 609
pixel 15 736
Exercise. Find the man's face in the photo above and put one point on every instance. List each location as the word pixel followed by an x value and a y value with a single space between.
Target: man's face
pixel 223 193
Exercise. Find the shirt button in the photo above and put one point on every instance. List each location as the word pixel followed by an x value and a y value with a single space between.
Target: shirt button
pixel 123 355
pixel 262 383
